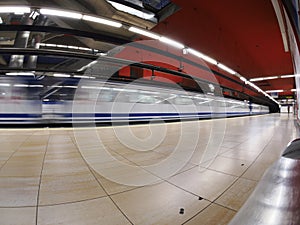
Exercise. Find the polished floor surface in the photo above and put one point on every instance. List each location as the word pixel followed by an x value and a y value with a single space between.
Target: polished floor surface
pixel 177 173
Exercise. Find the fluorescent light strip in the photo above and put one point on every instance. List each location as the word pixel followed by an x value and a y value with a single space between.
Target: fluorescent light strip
pixel 264 78
pixel 293 90
pixel 225 68
pixel 70 86
pixel 15 9
pixel 83 76
pixel 62 13
pixel 20 74
pixel 289 76
pixel 101 21
pixel 274 91
pixel 21 85
pixel 4 85
pixel 36 86
pixel 243 79
pixel 202 56
pixel 256 79
pixel 144 32
pixel 171 42
pixel 61 75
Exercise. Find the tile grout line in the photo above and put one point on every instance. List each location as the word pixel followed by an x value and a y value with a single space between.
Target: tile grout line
pixel 238 177
pixel 12 154
pixel 40 182
pixel 101 184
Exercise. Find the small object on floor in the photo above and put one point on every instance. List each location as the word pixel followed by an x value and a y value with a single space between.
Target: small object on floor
pixel 181 211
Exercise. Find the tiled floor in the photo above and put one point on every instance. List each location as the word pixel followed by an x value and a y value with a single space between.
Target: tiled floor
pixel 177 173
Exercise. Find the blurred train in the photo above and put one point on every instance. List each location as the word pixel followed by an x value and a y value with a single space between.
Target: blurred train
pixel 98 101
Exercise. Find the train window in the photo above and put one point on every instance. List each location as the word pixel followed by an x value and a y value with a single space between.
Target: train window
pixel 106 96
pixel 183 100
pixel 146 99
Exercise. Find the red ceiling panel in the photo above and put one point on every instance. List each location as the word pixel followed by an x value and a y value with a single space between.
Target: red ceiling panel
pixel 244 35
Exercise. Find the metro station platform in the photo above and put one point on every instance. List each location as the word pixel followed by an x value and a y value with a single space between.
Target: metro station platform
pixel 66 175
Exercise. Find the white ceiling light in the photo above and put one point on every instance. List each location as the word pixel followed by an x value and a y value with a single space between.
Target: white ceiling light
pixel 67 86
pixel 171 42
pixel 274 91
pixel 21 85
pixel 289 76
pixel 243 79
pixel 102 21
pixel 132 11
pixel 62 13
pixel 256 79
pixel 4 85
pixel 225 68
pixel 202 56
pixel 61 75
pixel 264 78
pixel 144 32
pixel 36 86
pixel 20 74
pixel 15 9
pixel 293 90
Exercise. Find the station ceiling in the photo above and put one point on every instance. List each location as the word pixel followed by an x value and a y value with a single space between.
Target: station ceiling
pixel 244 35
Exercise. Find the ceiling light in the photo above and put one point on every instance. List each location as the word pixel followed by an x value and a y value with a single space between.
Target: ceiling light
pixel 83 76
pixel 274 91
pixel 61 75
pixel 294 90
pixel 225 68
pixel 256 79
pixel 36 86
pixel 102 21
pixel 4 85
pixel 144 32
pixel 171 42
pixel 70 86
pixel 288 76
pixel 20 85
pixel 271 78
pixel 132 11
pixel 84 49
pixel 62 13
pixel 14 9
pixel 202 56
pixel 20 74
pixel 264 78
pixel 243 79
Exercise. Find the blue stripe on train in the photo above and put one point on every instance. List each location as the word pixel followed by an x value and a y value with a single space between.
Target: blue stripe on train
pixel 19 115
pixel 120 116
pixel 113 115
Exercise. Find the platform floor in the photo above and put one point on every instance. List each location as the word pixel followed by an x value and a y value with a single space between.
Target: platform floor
pixel 64 176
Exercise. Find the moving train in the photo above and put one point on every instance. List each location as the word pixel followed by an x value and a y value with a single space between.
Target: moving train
pixel 98 101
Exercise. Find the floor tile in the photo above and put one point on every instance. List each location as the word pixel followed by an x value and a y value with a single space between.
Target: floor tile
pixel 18 191
pixel 18 216
pixel 205 183
pixel 93 212
pixel 158 204
pixel 237 194
pixel 212 215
